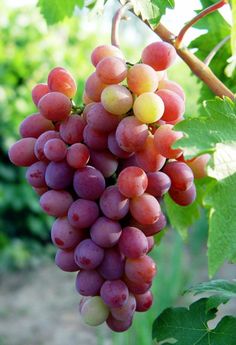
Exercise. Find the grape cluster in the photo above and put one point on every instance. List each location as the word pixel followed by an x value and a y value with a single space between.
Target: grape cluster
pixel 103 171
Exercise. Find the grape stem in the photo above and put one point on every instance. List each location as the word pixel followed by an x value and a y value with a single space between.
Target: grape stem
pixel 211 55
pixel 118 16
pixel 200 15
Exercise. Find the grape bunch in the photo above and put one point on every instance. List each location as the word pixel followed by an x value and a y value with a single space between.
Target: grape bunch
pixel 102 170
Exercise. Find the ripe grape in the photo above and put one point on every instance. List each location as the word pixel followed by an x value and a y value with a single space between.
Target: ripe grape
pixel 65 260
pixel 112 266
pixel 144 301
pixel 89 183
pixel 164 138
pixel 88 255
pixel 158 183
pixel 71 130
pixel 133 243
pixel 115 148
pixel 138 287
pixel 180 174
pixel 105 232
pixel 172 86
pixel 34 125
pixel 141 269
pixel 88 282
pixel 59 175
pixel 173 105
pixel 35 174
pixel 64 236
pixel 55 150
pixel 95 140
pixel 113 204
pixel 55 106
pixel 117 325
pixel 21 153
pixel 142 78
pixel 86 99
pixel 104 161
pixel 83 213
pixel 198 165
pixel 41 141
pixel 103 51
pixel 94 311
pixel 59 79
pixel 77 155
pixel 159 55
pixel 132 182
pixel 101 120
pixel 126 311
pixel 152 229
pixel 151 243
pixel 148 107
pixel 111 70
pixel 38 92
pixel 56 202
pixel 145 209
pixel 114 293
pixel 183 198
pixel 117 99
pixel 94 87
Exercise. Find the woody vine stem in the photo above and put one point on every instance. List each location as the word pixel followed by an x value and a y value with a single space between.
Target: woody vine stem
pixel 198 67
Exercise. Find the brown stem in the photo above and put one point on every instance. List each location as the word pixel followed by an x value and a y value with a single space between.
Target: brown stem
pixel 119 15
pixel 200 15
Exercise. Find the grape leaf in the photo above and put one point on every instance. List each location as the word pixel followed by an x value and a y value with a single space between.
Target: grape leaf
pixel 224 287
pixel 184 326
pixel 55 11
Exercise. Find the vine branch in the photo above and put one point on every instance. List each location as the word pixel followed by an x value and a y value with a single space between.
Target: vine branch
pixel 118 16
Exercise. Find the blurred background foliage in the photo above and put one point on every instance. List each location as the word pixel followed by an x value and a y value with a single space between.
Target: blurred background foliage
pixel 28 50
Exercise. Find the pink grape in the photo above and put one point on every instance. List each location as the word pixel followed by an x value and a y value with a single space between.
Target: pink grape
pixel 83 213
pixel 55 106
pixel 111 70
pixel 151 243
pixel 41 141
pixel 38 92
pixel 152 229
pixel 95 140
pixel 115 148
pixel 180 174
pixel 88 282
pixel 86 100
pixel 21 153
pixel 158 183
pixel 183 198
pixel 144 301
pixel 59 175
pixel 126 311
pixel 112 266
pixel 145 209
pixel 198 165
pixel 64 236
pixel 59 79
pixel 131 134
pixel 94 87
pixel 117 325
pixel 117 99
pixel 88 255
pixel 100 119
pixel 113 204
pixel 104 161
pixel 164 138
pixel 71 130
pixel 56 203
pixel 114 293
pixel 55 150
pixel 138 287
pixel 173 104
pixel 77 155
pixel 132 182
pixel 86 110
pixel 172 86
pixel 34 125
pixel 141 269
pixel 159 55
pixel 133 243
pixel 89 183
pixel 103 51
pixel 149 158
pixel 65 260
pixel 105 232
pixel 35 174
pixel 142 78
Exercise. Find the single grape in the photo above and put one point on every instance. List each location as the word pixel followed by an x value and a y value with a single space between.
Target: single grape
pixel 111 70
pixel 198 165
pixel 138 287
pixel 21 153
pixel 65 260
pixel 117 99
pixel 148 107
pixel 158 183
pixel 113 204
pixel 55 150
pixel 141 269
pixel 174 106
pixel 78 155
pixel 145 209
pixel 144 301
pixel 89 183
pixel 105 232
pixel 131 134
pixel 71 130
pixel 59 175
pixel 88 283
pixel 86 110
pixel 180 174
pixel 55 106
pixel 112 266
pixel 148 158
pixel 34 125
pixel 159 55
pixel 64 236
pixel 172 86
pixel 114 147
pixel 152 229
pixel 183 198
pixel 133 243
pixel 127 310
pixel 94 87
pixel 83 213
pixel 164 138
pixel 41 141
pixel 142 78
pixel 56 202
pixel 95 140
pixel 114 293
pixel 151 243
pixel 132 182
pixel 88 255
pixel 94 311
pixel 117 325
pixel 101 120
pixel 103 51
pixel 59 79
pixel 104 161
pixel 38 92
pixel 35 174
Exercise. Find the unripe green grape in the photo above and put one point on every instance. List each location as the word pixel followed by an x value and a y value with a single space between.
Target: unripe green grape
pixel 148 107
pixel 117 99
pixel 94 311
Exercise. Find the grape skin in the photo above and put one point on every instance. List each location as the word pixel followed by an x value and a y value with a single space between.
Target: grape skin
pixel 38 92
pixel 133 243
pixel 59 79
pixel 55 106
pixel 145 209
pixel 64 236
pixel 35 174
pixel 34 125
pixel 55 150
pixel 94 311
pixel 142 78
pixel 114 293
pixel 148 107
pixel 132 182
pixel 113 204
pixel 71 130
pixel 174 106
pixel 116 99
pixel 164 138
pixel 105 232
pixel 180 174
pixel 103 51
pixel 56 203
pixel 88 255
pixel 159 55
pixel 83 213
pixel 111 70
pixel 64 259
pixel 78 155
pixel 21 153
pixel 88 282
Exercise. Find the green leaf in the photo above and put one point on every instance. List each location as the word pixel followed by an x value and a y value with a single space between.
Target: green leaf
pixel 55 11
pixel 223 287
pixel 184 326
